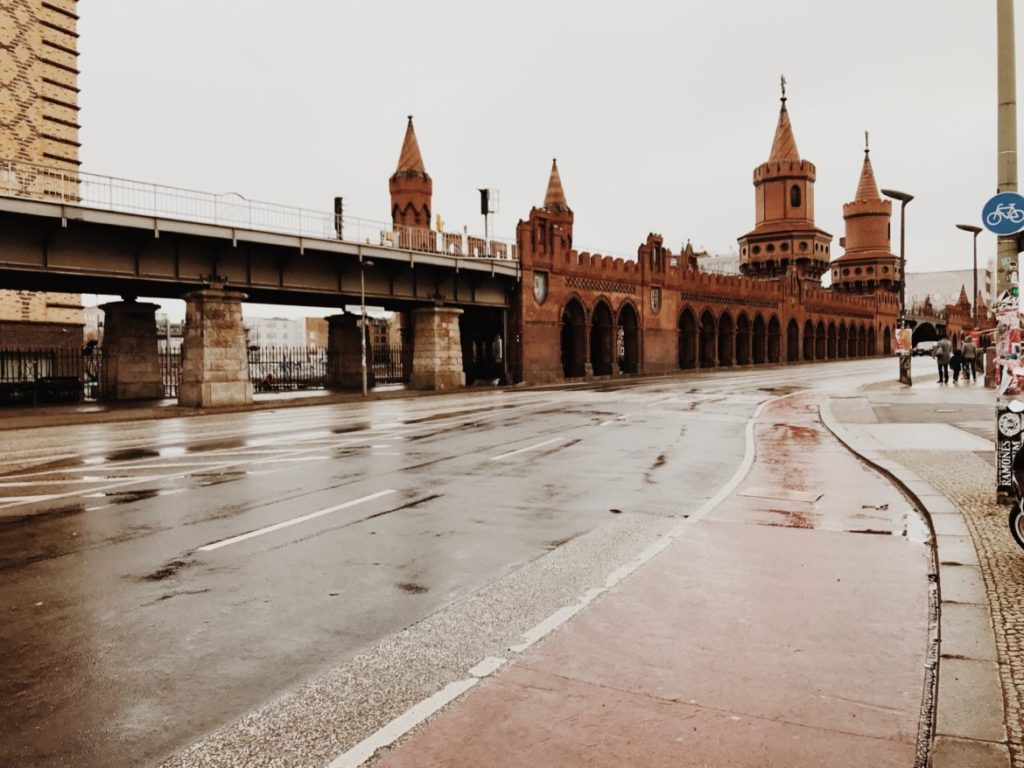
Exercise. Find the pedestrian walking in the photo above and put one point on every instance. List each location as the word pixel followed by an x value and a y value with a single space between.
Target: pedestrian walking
pixel 970 352
pixel 956 364
pixel 943 351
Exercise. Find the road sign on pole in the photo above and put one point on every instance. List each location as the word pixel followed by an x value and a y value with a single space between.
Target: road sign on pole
pixel 1003 214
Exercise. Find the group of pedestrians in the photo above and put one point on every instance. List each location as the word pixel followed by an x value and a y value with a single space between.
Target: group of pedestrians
pixel 962 359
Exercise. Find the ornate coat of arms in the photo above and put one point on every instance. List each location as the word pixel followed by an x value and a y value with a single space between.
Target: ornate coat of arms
pixel 655 298
pixel 540 286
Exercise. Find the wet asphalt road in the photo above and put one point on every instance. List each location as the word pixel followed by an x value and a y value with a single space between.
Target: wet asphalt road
pixel 160 579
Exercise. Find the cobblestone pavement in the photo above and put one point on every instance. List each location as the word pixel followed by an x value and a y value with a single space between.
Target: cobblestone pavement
pixel 968 481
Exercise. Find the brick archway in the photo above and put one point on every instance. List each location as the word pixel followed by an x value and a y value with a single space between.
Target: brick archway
pixel 871 342
pixel 843 344
pixel 601 339
pixel 774 340
pixel 819 341
pixel 742 339
pixel 792 342
pixel 726 339
pixel 759 339
pixel 886 341
pixel 629 338
pixel 708 334
pixel 808 340
pixel 687 339
pixel 573 339
pixel 831 348
pixel 862 342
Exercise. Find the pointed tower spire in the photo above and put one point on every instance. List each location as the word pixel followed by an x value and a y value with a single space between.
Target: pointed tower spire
pixel 411 161
pixel 784 144
pixel 867 188
pixel 554 198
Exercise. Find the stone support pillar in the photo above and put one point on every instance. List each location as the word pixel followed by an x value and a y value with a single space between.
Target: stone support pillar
pixel 214 361
pixel 437 349
pixel 131 356
pixel 344 354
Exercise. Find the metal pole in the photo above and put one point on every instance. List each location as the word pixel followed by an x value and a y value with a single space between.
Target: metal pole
pixel 1006 250
pixel 362 328
pixel 974 299
pixel 903 262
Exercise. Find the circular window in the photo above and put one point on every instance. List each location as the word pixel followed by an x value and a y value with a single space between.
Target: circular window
pixel 770 248
pixel 857 271
pixel 885 270
pixel 803 246
pixel 784 246
pixel 846 272
pixel 756 250
pixel 871 270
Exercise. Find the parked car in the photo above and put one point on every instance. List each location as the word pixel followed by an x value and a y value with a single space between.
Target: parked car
pixel 924 348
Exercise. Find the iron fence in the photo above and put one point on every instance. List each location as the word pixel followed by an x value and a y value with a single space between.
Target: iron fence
pixel 54 375
pixel 49 375
pixel 90 190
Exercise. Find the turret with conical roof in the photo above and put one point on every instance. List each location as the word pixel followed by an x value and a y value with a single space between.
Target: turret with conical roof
pixel 784 234
pixel 549 228
pixel 411 186
pixel 868 263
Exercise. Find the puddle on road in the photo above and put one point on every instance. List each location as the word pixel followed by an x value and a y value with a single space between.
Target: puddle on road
pixel 351 428
pixel 134 454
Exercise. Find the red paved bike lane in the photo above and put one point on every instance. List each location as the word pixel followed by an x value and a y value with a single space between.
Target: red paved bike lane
pixel 774 632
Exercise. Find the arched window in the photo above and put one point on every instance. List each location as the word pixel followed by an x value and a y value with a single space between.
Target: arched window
pixel 794 196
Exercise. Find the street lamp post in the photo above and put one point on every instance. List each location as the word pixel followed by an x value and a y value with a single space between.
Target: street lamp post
pixel 974 299
pixel 904 198
pixel 363 266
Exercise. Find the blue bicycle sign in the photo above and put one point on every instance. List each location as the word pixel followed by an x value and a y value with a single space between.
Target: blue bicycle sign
pixel 1004 214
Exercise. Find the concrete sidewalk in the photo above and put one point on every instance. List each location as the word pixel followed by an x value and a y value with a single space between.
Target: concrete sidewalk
pixel 938 441
pixel 787 626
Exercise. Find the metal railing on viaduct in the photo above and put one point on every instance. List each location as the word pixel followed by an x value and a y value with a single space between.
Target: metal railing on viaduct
pixel 275 252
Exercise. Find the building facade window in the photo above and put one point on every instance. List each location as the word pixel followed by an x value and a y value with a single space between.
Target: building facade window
pixel 794 196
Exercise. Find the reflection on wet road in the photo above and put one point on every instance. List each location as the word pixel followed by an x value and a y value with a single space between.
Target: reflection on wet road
pixel 160 579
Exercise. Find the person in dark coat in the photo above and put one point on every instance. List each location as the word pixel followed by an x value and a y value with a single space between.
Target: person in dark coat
pixel 942 352
pixel 956 364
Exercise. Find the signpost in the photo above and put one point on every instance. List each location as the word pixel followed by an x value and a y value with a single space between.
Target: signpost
pixel 1003 215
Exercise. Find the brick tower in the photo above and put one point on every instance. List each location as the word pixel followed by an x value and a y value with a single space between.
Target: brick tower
pixel 868 263
pixel 549 228
pixel 410 185
pixel 785 235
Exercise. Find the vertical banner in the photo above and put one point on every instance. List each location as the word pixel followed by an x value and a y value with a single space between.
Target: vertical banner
pixel 1009 426
pixel 904 337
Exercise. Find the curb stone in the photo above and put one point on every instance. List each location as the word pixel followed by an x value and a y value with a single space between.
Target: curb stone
pixel 969 719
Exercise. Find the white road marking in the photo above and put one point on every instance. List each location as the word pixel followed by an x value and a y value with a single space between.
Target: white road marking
pixel 488 666
pixel 402 724
pixel 293 521
pixel 528 448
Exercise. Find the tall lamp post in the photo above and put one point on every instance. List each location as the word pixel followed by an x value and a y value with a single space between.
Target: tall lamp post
pixel 363 266
pixel 974 299
pixel 904 198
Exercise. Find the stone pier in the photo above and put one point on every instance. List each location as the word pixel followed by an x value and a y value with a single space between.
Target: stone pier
pixel 437 349
pixel 344 354
pixel 214 362
pixel 131 356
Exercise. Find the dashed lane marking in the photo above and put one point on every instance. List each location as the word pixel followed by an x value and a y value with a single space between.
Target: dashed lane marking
pixel 528 448
pixel 294 521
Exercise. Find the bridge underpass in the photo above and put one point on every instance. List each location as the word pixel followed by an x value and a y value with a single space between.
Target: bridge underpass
pixel 457 305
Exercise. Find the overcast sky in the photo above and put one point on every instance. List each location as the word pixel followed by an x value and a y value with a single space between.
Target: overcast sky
pixel 658 111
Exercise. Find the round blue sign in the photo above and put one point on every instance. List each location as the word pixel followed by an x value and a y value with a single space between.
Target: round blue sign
pixel 1004 214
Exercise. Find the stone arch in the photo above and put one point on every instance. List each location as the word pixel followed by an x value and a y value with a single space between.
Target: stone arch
pixel 886 341
pixel 843 348
pixel 808 340
pixel 819 341
pixel 759 336
pixel 726 339
pixel 924 332
pixel 601 338
pixel 862 341
pixel 742 339
pixel 687 339
pixel 830 350
pixel 708 334
pixel 774 340
pixel 851 346
pixel 872 351
pixel 573 336
pixel 792 342
pixel 628 342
